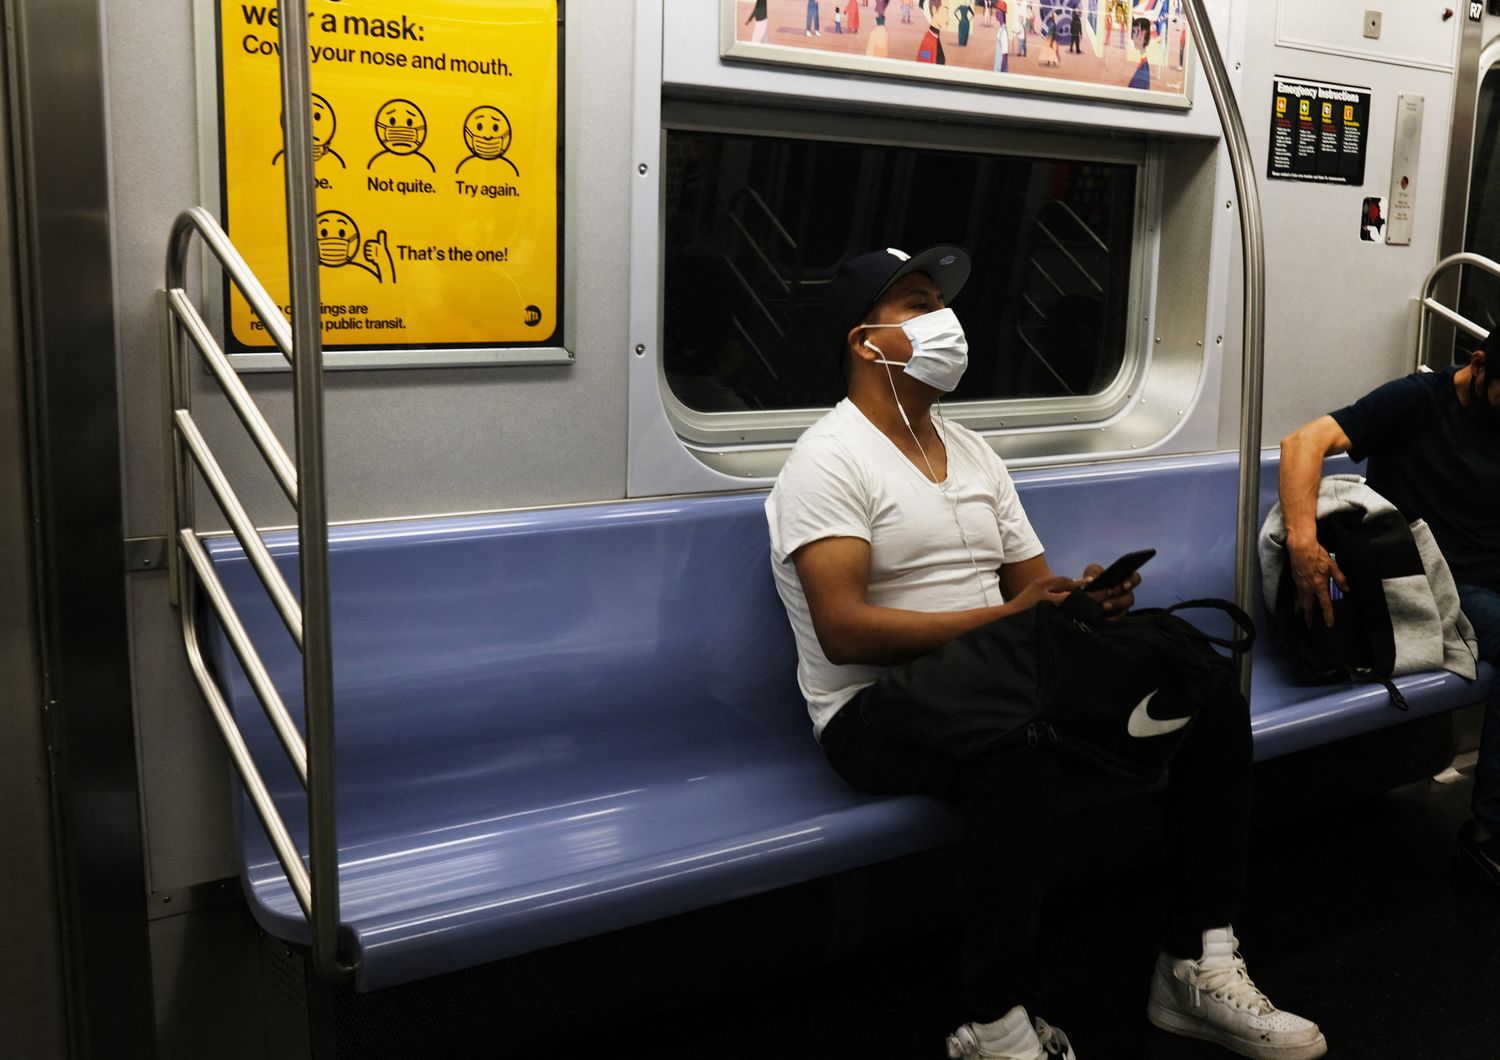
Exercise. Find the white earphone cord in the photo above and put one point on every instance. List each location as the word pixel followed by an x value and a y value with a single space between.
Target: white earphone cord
pixel 952 500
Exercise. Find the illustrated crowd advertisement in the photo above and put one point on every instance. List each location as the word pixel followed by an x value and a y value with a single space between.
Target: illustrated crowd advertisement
pixel 1134 53
pixel 435 156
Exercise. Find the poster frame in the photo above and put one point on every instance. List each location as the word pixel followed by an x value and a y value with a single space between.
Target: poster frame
pixel 732 49
pixel 214 284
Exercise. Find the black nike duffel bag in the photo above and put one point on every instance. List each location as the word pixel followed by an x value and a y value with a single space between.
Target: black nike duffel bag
pixel 1118 693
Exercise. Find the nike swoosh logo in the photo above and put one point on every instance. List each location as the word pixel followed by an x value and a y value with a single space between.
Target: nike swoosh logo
pixel 1142 724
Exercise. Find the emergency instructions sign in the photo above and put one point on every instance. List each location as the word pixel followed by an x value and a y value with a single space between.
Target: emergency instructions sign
pixel 1319 131
pixel 435 130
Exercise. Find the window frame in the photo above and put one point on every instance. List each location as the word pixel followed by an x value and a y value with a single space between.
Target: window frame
pixel 751 443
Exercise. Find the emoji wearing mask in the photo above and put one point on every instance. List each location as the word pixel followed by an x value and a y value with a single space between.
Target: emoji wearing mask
pixel 487 134
pixel 324 124
pixel 401 128
pixel 339 245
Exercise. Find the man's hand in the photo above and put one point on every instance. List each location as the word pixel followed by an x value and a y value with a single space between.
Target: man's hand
pixel 1052 588
pixel 1117 600
pixel 1312 566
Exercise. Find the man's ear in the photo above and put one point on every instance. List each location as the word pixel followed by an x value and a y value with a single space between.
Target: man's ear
pixel 854 342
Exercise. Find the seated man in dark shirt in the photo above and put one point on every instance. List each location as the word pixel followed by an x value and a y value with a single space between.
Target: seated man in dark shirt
pixel 1433 441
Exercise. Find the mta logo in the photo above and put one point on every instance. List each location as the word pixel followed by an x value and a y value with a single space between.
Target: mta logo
pixel 533 316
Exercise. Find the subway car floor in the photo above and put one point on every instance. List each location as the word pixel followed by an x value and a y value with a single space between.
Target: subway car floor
pixel 1357 918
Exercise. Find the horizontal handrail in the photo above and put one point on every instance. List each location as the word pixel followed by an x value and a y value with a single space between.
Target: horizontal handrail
pixel 765 310
pixel 765 362
pixel 1456 319
pixel 255 669
pixel 244 529
pixel 770 214
pixel 1058 243
pixel 197 219
pixel 1044 274
pixel 1431 306
pixel 1080 222
pixel 761 254
pixel 239 754
pixel 239 397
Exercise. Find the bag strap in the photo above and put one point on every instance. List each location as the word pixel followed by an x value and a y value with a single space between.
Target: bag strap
pixel 1397 699
pixel 1243 623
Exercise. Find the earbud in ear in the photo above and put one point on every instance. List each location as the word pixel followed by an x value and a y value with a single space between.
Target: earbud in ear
pixel 871 346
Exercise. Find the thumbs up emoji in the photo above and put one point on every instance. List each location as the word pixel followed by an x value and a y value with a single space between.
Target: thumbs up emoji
pixel 378 253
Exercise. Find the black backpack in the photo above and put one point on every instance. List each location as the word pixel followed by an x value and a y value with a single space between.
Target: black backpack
pixel 1361 645
pixel 1120 694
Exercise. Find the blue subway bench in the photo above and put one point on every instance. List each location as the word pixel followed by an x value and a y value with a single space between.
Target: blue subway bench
pixel 555 724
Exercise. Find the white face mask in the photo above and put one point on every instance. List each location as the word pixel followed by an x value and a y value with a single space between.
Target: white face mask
pixel 939 350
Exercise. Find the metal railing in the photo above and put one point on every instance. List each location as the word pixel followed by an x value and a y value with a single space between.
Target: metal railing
pixel 1041 228
pixel 1058 243
pixel 315 884
pixel 1432 307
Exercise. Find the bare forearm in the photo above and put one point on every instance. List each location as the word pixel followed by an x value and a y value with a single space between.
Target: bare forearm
pixel 888 636
pixel 835 574
pixel 1301 470
pixel 1302 455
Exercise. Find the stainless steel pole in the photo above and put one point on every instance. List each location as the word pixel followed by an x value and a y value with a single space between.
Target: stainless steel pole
pixel 1241 163
pixel 312 513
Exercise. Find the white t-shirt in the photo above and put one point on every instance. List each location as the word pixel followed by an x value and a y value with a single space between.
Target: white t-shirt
pixel 845 478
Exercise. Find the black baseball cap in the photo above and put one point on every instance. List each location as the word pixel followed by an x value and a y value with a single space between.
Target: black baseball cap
pixel 864 278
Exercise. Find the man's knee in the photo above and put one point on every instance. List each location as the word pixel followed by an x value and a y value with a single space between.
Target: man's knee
pixel 1222 727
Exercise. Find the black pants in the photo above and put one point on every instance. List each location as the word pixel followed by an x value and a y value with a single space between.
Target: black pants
pixel 1007 799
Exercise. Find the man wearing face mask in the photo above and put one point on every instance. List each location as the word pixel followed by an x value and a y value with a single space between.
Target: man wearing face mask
pixel 893 533
pixel 1433 443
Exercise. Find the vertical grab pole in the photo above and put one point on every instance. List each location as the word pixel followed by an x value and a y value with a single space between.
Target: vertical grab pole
pixel 312 514
pixel 1253 347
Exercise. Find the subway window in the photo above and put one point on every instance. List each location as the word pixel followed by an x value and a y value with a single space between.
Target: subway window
pixel 757 225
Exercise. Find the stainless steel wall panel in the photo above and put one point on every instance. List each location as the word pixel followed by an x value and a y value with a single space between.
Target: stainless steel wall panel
pixel 31 983
pixel 69 342
pixel 185 793
pixel 154 169
pixel 1337 308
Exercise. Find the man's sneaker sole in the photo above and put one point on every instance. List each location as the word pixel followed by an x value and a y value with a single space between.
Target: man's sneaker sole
pixel 1176 1023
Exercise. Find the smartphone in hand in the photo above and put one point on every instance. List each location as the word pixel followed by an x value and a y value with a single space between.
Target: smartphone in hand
pixel 1119 570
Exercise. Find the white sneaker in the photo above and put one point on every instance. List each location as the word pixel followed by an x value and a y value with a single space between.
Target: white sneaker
pixel 1011 1037
pixel 1214 999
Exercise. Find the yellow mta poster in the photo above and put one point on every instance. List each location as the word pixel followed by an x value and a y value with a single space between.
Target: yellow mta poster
pixel 435 144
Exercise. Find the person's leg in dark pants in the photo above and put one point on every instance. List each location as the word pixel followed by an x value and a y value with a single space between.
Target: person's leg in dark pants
pixel 1007 799
pixel 1208 822
pixel 1479 841
pixel 1482 608
pixel 1200 986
